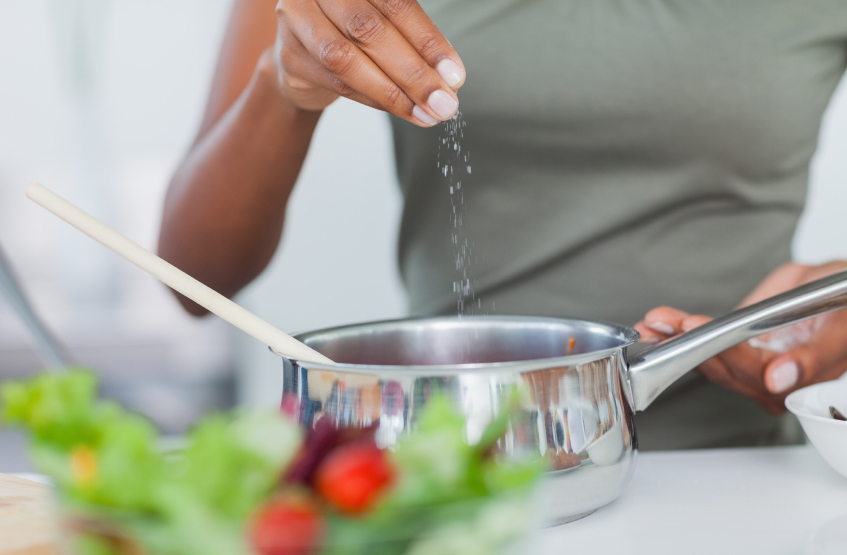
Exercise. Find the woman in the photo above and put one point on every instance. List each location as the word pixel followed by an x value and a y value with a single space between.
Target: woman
pixel 626 155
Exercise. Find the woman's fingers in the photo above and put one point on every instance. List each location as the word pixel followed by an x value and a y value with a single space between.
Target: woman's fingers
pixel 760 373
pixel 647 334
pixel 690 322
pixel 419 30
pixel 303 81
pixel 306 82
pixel 746 364
pixel 738 369
pixel 373 33
pixel 661 323
pixel 718 373
pixel 665 320
pixel 822 358
pixel 352 69
pixel 742 363
pixel 352 48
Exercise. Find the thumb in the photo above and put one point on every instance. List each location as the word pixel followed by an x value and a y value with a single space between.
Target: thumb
pixel 818 360
pixel 783 373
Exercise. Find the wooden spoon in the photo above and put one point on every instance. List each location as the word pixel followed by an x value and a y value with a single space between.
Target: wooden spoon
pixel 173 277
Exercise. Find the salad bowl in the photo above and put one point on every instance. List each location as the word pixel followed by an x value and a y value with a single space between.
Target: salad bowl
pixel 252 482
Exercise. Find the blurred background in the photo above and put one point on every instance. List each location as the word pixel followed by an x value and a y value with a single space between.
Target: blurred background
pixel 99 99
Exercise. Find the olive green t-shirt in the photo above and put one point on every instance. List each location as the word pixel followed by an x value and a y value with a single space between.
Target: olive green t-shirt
pixel 625 154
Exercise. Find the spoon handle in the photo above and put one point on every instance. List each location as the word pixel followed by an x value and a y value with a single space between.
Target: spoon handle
pixel 173 277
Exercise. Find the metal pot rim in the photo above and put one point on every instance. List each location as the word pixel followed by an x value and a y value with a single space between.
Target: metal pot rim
pixel 626 335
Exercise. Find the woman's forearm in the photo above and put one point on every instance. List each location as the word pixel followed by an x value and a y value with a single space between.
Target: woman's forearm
pixel 225 206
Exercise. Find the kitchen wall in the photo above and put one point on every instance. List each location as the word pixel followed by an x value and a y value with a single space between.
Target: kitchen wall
pixel 822 233
pixel 98 100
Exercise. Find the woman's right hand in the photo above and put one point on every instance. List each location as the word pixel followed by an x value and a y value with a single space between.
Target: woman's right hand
pixel 386 54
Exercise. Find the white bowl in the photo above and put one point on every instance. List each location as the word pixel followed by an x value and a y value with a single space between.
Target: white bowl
pixel 829 436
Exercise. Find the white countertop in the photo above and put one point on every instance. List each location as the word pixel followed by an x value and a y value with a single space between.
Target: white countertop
pixel 712 502
pixel 715 502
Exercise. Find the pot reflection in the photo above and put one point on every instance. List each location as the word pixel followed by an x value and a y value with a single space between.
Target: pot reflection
pixel 575 415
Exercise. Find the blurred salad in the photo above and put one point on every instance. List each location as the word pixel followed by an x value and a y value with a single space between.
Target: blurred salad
pixel 252 483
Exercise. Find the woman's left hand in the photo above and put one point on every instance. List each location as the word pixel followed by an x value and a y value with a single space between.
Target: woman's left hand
pixel 768 369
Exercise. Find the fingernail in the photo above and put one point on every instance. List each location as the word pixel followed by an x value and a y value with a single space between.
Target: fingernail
pixel 421 114
pixel 650 340
pixel 784 376
pixel 443 104
pixel 661 327
pixel 450 71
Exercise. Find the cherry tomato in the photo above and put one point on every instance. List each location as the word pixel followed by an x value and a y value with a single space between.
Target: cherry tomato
pixel 321 441
pixel 353 477
pixel 287 525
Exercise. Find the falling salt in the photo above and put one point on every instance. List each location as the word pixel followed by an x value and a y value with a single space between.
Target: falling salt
pixel 463 286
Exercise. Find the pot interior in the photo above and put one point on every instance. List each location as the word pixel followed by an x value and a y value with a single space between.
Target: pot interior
pixel 466 340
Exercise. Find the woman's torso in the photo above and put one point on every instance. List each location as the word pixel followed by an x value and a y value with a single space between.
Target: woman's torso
pixel 625 154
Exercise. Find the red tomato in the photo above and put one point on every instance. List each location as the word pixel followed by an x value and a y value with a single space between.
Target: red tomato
pixel 353 476
pixel 288 525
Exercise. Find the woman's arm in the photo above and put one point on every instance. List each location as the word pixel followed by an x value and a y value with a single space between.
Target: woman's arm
pixel 225 206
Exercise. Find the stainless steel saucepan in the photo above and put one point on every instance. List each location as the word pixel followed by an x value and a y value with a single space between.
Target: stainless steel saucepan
pixel 581 387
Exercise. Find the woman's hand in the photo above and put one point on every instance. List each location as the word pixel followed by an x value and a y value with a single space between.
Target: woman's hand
pixel 386 54
pixel 768 368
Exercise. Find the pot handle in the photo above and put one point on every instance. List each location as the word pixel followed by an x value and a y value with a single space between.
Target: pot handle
pixel 653 369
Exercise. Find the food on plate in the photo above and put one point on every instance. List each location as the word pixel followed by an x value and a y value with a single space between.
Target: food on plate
pixel 254 483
